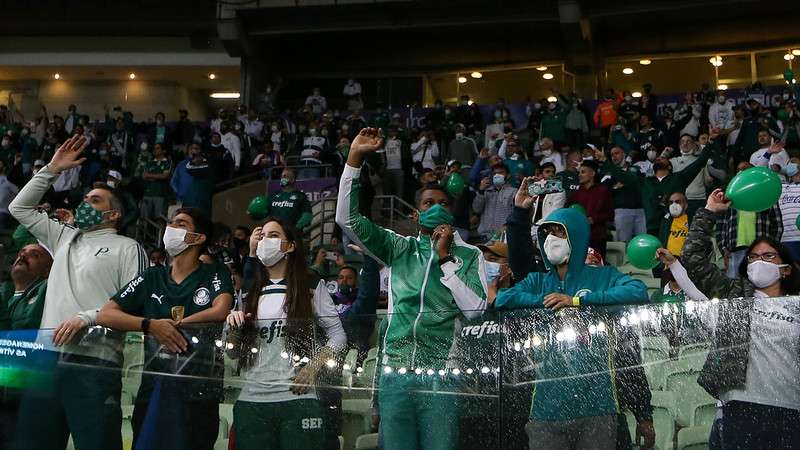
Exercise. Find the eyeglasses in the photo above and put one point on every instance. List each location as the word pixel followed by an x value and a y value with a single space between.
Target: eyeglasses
pixel 768 256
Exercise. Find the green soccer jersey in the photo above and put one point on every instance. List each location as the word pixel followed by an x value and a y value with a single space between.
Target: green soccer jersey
pixel 153 294
pixel 292 206
pixel 26 307
pixel 157 188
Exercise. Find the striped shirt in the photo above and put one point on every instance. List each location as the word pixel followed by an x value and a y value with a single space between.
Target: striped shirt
pixel 270 377
pixel 789 203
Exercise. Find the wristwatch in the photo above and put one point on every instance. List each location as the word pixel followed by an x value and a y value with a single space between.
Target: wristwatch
pixel 145 325
pixel 446 259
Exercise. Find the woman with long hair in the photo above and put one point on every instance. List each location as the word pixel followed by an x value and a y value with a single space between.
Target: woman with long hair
pixel 753 367
pixel 273 338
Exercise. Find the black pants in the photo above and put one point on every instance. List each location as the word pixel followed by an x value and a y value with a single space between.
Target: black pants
pixel 623 433
pixel 330 401
pixel 187 425
pixel 83 401
pixel 753 426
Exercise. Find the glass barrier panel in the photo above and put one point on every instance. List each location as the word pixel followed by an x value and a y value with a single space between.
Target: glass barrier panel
pixel 589 376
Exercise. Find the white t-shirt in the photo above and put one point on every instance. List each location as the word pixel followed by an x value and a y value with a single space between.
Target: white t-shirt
pixel 394 157
pixel 773 367
pixel 763 158
pixel 789 203
pixel 270 377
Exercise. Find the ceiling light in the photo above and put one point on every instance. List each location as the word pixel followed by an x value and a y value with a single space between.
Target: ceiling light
pixel 547 76
pixel 462 80
pixel 212 76
pixel 788 56
pixel 722 87
pixel 476 75
pixel 715 61
pixel 541 68
pixel 57 76
pixel 552 99
pixel 225 95
pixel 645 62
pixel 132 76
pixel 796 52
pixel 627 71
pixel 636 94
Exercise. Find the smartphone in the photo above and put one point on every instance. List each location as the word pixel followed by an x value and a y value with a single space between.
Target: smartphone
pixel 548 187
pixel 330 256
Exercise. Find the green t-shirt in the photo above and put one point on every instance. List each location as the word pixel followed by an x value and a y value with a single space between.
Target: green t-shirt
pixel 153 294
pixel 569 181
pixel 26 307
pixel 5 318
pixel 288 206
pixel 157 188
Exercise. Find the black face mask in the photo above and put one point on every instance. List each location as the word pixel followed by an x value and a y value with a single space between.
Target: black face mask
pixel 239 243
pixel 507 130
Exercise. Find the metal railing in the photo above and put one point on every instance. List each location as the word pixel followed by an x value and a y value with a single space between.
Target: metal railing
pixel 323 222
pixel 396 208
pixel 326 171
pixel 150 232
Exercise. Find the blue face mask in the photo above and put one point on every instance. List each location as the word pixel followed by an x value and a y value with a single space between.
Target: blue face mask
pixel 492 270
pixel 498 180
pixel 792 169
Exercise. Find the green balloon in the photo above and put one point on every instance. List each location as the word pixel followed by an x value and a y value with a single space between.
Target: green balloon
pixel 455 185
pixel 796 222
pixel 642 251
pixel 755 189
pixel 788 75
pixel 578 207
pixel 258 207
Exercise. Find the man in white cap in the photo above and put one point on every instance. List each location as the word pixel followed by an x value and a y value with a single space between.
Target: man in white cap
pixel 114 179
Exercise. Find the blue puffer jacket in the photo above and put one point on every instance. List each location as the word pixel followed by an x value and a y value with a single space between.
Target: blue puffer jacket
pixel 574 376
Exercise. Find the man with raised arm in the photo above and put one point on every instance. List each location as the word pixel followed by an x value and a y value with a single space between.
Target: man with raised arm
pixel 91 262
pixel 435 279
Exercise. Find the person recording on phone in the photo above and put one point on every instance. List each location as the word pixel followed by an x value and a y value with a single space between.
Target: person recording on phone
pixel 425 151
pixel 162 303
pixel 433 271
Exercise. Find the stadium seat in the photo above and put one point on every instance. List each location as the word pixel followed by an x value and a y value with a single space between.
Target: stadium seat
pixel 226 412
pixel 665 399
pixel 224 426
pixel 356 419
pixel 367 442
pixel 650 282
pixel 704 414
pixel 693 349
pixel 221 444
pixel 372 353
pixel 127 433
pixel 664 424
pixel 615 253
pixel 127 411
pixel 693 438
pixel 634 271
pixel 654 355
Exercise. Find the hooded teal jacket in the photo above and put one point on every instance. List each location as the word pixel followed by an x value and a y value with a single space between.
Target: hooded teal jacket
pixel 574 376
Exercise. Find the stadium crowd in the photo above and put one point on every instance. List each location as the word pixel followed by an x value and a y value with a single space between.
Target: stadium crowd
pixel 510 216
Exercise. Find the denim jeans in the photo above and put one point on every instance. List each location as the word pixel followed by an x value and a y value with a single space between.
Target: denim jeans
pixel 629 223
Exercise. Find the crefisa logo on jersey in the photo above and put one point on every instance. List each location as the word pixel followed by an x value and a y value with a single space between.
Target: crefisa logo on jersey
pixel 202 297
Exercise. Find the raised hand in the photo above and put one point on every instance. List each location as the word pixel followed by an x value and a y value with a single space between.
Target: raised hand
pixel 522 199
pixel 713 133
pixel 665 257
pixel 255 238
pixel 776 147
pixel 367 140
pixel 717 202
pixel 68 155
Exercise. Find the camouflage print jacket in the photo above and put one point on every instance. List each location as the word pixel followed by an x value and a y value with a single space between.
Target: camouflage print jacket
pixel 726 365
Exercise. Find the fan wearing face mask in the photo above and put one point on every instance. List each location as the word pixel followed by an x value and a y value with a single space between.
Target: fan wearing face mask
pixel 91 262
pixel 754 365
pixel 675 225
pixel 434 271
pixel 149 303
pixel 281 306
pixel 585 388
pixel 789 203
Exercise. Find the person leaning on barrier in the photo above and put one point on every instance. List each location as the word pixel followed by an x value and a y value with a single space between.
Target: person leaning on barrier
pixel 754 364
pixel 433 272
pixel 163 303
pixel 570 408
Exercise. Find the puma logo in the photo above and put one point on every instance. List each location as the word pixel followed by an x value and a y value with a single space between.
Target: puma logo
pixel 157 297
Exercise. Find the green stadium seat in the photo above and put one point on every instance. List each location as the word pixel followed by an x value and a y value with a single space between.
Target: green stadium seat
pixel 367 442
pixel 693 438
pixel 221 444
pixel 615 253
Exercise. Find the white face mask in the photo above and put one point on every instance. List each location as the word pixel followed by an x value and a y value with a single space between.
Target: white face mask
pixel 547 152
pixel 143 146
pixel 269 251
pixel 675 210
pixel 492 270
pixel 175 241
pixel 651 155
pixel 111 184
pixel 459 135
pixel 764 274
pixel 514 157
pixel 556 249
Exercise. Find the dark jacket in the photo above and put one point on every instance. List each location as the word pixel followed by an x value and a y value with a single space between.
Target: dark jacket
pixel 726 365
